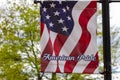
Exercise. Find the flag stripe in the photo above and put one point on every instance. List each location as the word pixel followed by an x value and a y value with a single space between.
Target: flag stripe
pixel 90 50
pixel 52 37
pixel 47 49
pixel 58 44
pixel 84 40
pixel 41 28
pixel 44 38
pixel 90 68
pixel 46 46
pixel 75 35
pixel 92 44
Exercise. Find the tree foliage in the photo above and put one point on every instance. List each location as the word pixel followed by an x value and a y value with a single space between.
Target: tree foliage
pixel 19 39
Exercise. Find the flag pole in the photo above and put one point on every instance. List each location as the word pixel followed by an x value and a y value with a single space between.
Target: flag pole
pixel 106 40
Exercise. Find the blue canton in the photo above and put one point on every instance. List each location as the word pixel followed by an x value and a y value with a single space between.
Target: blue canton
pixel 57 15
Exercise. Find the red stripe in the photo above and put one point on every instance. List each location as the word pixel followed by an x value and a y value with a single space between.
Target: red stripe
pixel 84 40
pixel 92 66
pixel 41 28
pixel 58 69
pixel 59 42
pixel 93 4
pixel 48 49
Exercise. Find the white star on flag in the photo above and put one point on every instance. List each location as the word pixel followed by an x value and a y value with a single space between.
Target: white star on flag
pixel 68 7
pixel 69 18
pixel 52 5
pixel 56 13
pixel 60 2
pixel 47 17
pixel 64 10
pixel 64 29
pixel 51 24
pixel 44 9
pixel 61 21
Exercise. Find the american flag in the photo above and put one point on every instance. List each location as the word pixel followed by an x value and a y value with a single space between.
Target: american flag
pixel 68 37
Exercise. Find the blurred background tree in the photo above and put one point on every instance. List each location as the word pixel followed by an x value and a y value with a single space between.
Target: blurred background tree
pixel 19 41
pixel 20 49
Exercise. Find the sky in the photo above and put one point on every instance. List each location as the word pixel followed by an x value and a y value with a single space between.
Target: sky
pixel 115 14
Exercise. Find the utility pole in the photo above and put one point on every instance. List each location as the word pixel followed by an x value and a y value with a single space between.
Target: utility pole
pixel 106 40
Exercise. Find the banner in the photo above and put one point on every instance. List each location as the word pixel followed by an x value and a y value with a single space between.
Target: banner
pixel 68 37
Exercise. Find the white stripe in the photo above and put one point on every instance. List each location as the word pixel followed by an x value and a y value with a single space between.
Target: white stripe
pixel 44 39
pixel 92 48
pixel 73 39
pixel 52 65
pixel 96 70
pixel 53 36
pixel 43 42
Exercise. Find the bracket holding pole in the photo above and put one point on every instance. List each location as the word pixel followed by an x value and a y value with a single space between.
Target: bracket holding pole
pixel 35 1
pixel 114 1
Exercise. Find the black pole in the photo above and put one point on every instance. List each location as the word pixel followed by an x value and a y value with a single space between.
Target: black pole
pixel 114 1
pixel 106 40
